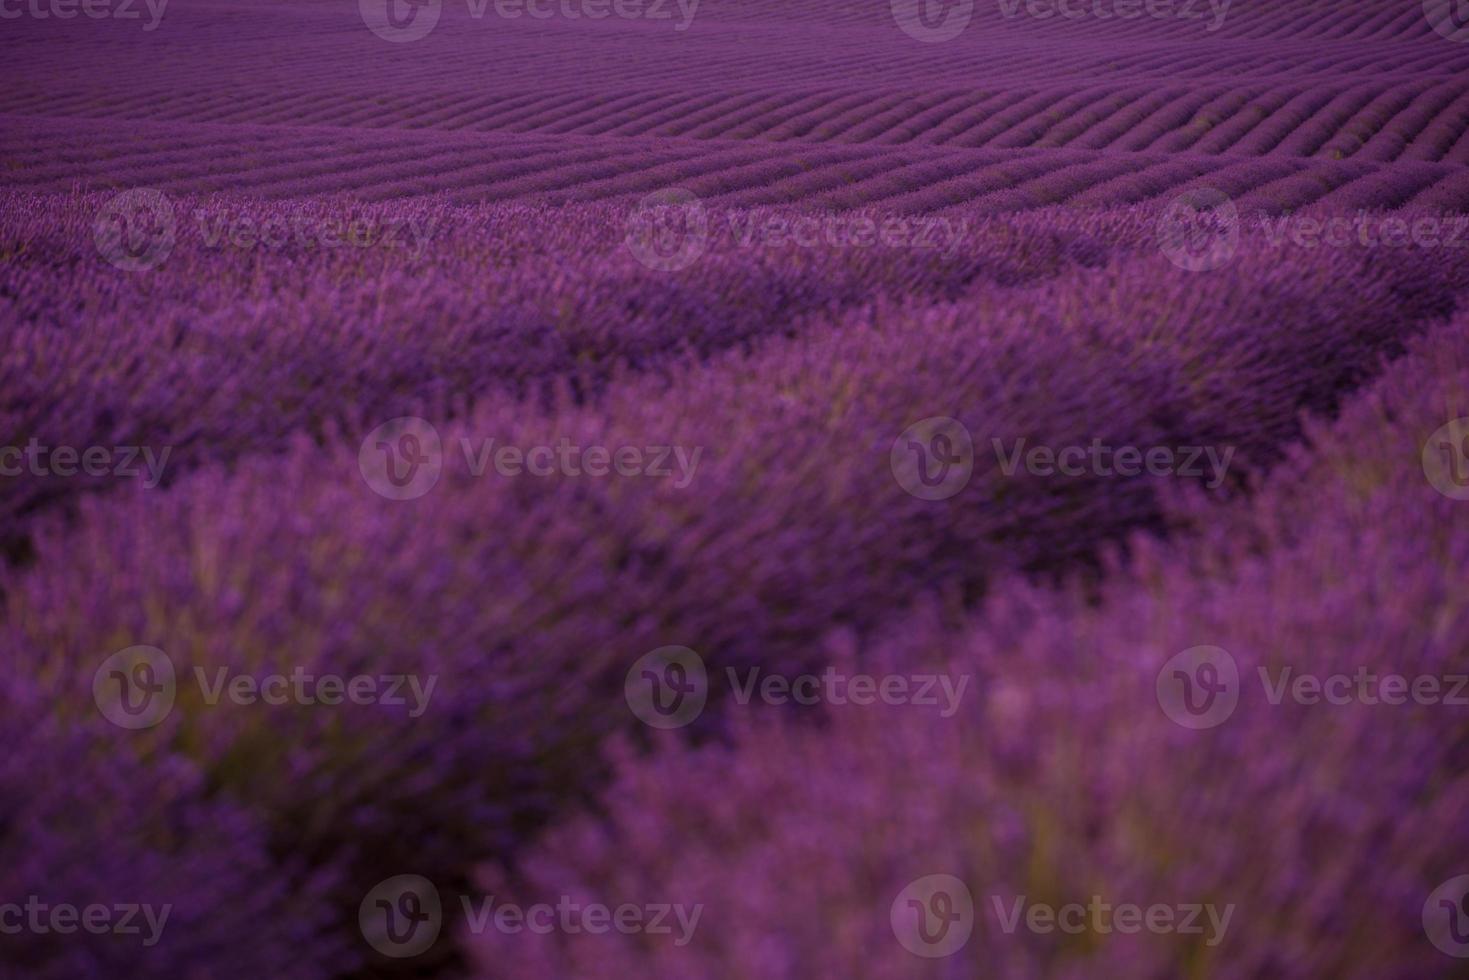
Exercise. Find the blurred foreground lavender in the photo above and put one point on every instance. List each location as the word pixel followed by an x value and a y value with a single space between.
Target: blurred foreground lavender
pixel 273 547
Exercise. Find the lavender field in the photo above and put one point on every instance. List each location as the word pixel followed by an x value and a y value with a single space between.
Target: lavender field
pixel 734 488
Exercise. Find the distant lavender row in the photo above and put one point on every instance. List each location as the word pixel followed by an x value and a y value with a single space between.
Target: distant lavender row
pixel 1321 829
pixel 792 526
pixel 987 152
pixel 263 320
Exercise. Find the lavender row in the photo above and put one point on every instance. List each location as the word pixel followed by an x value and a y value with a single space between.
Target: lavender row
pixel 251 321
pixel 783 518
pixel 1245 758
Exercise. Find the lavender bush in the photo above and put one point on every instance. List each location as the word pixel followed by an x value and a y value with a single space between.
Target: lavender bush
pixel 1324 826
pixel 134 864
pixel 292 563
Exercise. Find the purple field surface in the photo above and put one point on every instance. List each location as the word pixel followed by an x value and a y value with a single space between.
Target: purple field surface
pixel 611 488
pixel 1055 781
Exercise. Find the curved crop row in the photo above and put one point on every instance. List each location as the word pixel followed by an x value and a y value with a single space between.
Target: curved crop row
pixel 1317 830
pixel 189 358
pixel 789 524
